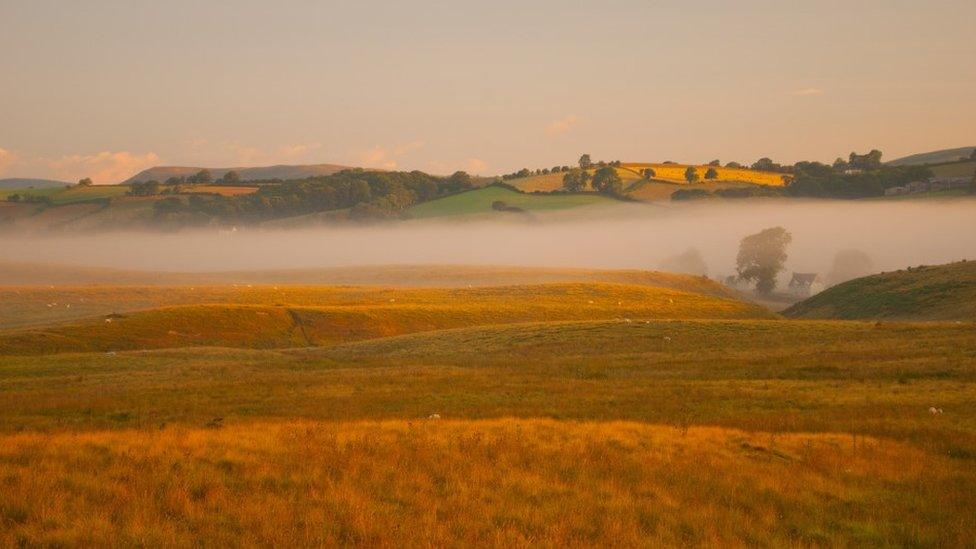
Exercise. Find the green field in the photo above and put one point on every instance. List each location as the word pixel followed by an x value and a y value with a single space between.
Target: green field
pixel 656 413
pixel 479 201
pixel 954 169
pixel 70 195
pixel 943 292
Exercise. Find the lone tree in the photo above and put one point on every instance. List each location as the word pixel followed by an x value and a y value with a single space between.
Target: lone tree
pixel 585 162
pixel 691 174
pixel 649 173
pixel 202 176
pixel 86 182
pixel 606 181
pixel 761 257
pixel 231 177
pixel 574 181
pixel 714 163
pixel 711 174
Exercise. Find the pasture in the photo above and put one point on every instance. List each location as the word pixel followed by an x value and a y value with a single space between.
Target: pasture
pixel 660 412
pixel 479 203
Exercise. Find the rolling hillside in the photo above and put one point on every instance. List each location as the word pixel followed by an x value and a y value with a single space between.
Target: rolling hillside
pixel 343 315
pixel 667 179
pixel 162 173
pixel 944 292
pixel 28 183
pixel 479 201
pixel 934 157
pixel 72 283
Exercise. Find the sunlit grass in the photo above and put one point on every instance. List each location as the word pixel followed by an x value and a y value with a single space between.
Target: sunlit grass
pixel 501 482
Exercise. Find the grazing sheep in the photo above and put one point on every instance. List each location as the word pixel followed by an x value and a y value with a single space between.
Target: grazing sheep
pixel 935 411
pixel 667 338
pixel 434 416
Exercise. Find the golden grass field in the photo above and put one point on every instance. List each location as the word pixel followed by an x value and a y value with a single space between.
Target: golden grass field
pixel 510 415
pixel 666 179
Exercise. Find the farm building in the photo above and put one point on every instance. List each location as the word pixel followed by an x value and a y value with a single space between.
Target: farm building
pixel 806 284
pixel 932 185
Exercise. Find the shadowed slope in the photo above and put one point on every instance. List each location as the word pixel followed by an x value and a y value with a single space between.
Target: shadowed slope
pixel 944 292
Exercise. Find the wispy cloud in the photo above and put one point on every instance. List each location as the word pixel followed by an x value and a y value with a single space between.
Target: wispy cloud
pixel 806 92
pixel 103 167
pixel 232 153
pixel 475 166
pixel 387 158
pixel 561 126
pixel 6 159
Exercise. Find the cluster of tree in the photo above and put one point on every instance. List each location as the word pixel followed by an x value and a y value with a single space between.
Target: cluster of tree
pixel 204 177
pixel 144 188
pixel 502 206
pixel 29 198
pixel 752 191
pixel 813 179
pixel 365 194
pixel 525 172
pixel 604 180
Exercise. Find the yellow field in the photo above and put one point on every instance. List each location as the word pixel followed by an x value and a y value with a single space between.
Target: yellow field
pixel 504 482
pixel 660 412
pixel 676 173
pixel 222 190
pixel 666 177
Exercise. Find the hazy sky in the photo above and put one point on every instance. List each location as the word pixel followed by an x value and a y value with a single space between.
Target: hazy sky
pixel 105 88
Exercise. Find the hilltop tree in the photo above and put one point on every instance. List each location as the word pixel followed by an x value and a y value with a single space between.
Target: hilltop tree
pixel 715 163
pixel 574 181
pixel 866 162
pixel 733 165
pixel 606 181
pixel 585 162
pixel 460 181
pixel 765 164
pixel 711 173
pixel 202 176
pixel 691 174
pixel 231 177
pixel 86 182
pixel 649 173
pixel 762 256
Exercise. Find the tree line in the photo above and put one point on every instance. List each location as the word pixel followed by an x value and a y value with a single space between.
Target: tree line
pixel 363 194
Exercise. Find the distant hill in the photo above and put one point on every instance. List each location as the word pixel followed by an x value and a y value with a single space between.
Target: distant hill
pixel 934 157
pixel 162 173
pixel 25 182
pixel 944 292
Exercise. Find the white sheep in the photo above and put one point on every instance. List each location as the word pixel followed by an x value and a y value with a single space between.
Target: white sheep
pixel 434 416
pixel 935 411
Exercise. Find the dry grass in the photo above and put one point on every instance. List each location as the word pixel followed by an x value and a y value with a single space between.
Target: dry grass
pixel 354 314
pixel 676 173
pixel 506 482
pixel 598 429
pixel 222 190
pixel 37 305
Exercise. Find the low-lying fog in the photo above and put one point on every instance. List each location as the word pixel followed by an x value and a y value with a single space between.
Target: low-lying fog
pixel 893 234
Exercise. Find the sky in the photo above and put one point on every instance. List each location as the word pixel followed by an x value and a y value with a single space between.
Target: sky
pixel 104 89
